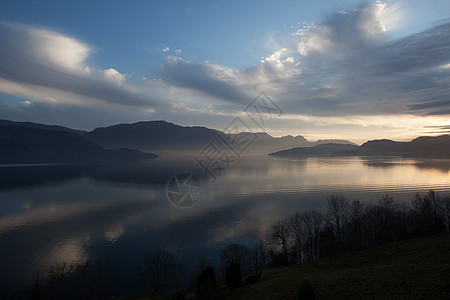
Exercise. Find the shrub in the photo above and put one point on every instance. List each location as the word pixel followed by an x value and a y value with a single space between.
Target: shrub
pixel 206 282
pixel 233 276
pixel 252 279
pixel 306 291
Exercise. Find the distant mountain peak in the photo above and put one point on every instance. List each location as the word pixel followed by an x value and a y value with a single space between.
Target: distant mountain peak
pixel 425 146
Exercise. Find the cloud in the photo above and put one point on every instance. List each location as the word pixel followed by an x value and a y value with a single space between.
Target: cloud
pixel 114 75
pixel 40 62
pixel 57 49
pixel 347 31
pixel 443 129
pixel 274 67
pixel 209 79
pixel 26 103
pixel 281 72
pixel 347 65
pixel 85 116
pixel 345 68
pixel 226 84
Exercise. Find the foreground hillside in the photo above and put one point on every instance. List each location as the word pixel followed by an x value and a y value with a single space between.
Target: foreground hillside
pixel 414 269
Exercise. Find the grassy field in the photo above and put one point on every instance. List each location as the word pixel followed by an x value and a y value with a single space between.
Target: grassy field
pixel 414 269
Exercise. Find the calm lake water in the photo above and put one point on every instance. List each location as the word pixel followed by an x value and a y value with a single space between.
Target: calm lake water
pixel 64 213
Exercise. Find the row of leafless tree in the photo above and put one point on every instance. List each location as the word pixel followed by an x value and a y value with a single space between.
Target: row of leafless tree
pixel 76 280
pixel 307 236
pixel 351 225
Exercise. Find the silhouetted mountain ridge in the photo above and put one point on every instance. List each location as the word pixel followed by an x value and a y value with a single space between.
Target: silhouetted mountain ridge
pixel 425 146
pixel 161 135
pixel 40 126
pixel 329 149
pixel 21 145
pixel 152 135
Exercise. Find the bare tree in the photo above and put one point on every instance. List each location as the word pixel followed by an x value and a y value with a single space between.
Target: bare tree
pixel 37 292
pixel 295 223
pixel 281 234
pixel 435 200
pixel 59 278
pixel 76 280
pixel 312 222
pixel 446 209
pixel 354 224
pixel 423 215
pixel 337 211
pixel 388 207
pixel 257 257
pixel 234 253
pixel 317 219
pixel 179 275
pixel 404 220
pixel 156 269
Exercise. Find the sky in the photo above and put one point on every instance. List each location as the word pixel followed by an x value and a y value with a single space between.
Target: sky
pixel 349 69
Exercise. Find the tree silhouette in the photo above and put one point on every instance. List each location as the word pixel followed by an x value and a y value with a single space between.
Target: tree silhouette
pixel 446 210
pixel 206 283
pixel 233 276
pixel 235 254
pixel 281 234
pixel 337 209
pixel 156 269
pixel 296 227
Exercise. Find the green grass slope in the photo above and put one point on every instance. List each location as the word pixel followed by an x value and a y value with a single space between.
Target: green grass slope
pixel 414 269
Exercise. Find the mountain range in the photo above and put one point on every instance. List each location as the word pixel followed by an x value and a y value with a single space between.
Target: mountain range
pixel 160 136
pixel 27 142
pixel 22 144
pixel 421 147
pixel 40 126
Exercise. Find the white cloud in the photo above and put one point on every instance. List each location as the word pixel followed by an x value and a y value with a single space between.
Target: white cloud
pixel 166 49
pixel 114 75
pixel 178 51
pixel 286 67
pixel 226 83
pixel 348 31
pixel 58 49
pixel 38 64
pixel 26 103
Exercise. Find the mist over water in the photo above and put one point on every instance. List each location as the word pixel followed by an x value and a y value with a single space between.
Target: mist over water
pixel 58 213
